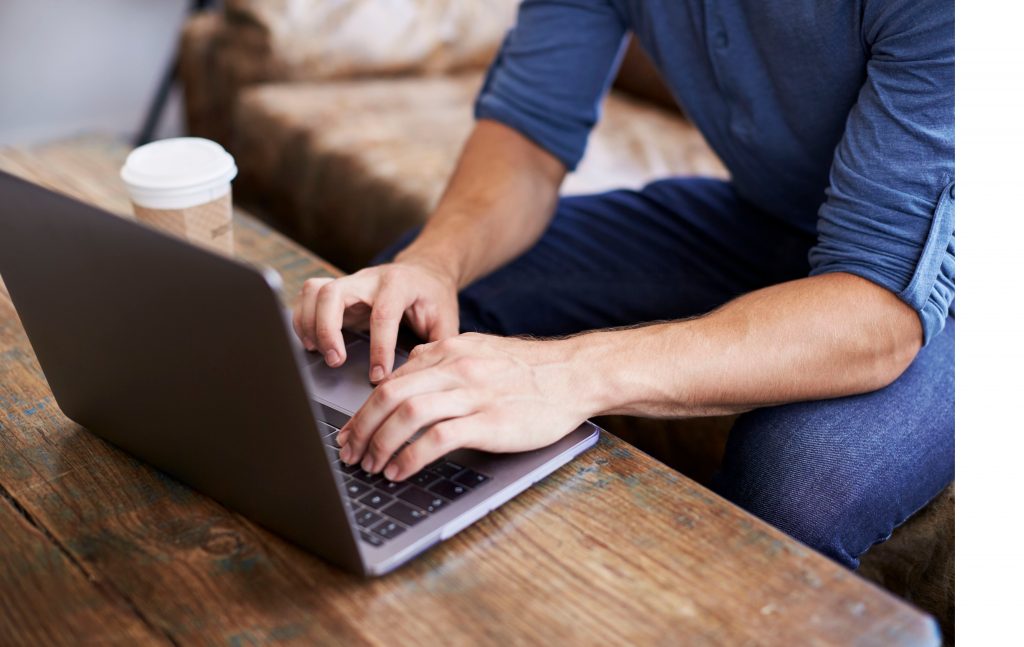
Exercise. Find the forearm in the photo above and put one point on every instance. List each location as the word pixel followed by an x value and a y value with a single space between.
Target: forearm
pixel 499 200
pixel 815 338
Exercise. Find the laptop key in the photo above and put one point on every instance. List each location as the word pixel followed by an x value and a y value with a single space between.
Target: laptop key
pixel 448 469
pixel 388 529
pixel 469 478
pixel 325 429
pixel 423 478
pixel 436 463
pixel 366 517
pixel 348 469
pixel 391 487
pixel 407 514
pixel 421 498
pixel 355 488
pixel 376 500
pixel 366 477
pixel 371 538
pixel 448 490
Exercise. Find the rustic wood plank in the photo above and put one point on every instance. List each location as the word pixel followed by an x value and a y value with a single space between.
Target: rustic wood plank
pixel 46 599
pixel 614 547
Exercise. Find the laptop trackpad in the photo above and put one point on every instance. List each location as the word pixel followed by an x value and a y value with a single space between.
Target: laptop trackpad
pixel 347 386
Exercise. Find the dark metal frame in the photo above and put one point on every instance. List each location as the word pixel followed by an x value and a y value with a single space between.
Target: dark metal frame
pixel 163 91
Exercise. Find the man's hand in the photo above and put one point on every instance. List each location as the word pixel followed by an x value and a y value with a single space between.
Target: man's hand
pixel 380 297
pixel 477 391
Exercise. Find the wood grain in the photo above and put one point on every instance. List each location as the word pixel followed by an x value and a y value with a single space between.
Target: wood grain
pixel 613 548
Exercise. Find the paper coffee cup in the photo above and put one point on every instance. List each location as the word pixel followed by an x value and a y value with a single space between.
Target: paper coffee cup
pixel 183 186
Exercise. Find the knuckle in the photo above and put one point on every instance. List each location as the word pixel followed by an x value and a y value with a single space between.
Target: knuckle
pixel 385 393
pixel 383 311
pixel 325 293
pixel 410 409
pixel 465 366
pixel 310 286
pixel 447 345
pixel 444 435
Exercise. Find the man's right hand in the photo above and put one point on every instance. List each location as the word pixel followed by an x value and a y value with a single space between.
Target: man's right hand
pixel 498 203
pixel 379 297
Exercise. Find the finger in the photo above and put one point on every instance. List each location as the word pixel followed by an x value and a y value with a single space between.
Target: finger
pixel 385 318
pixel 330 311
pixel 437 441
pixel 297 324
pixel 306 313
pixel 409 417
pixel 383 402
pixel 421 357
pixel 444 326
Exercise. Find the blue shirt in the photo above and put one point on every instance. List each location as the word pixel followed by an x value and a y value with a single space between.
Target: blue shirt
pixel 836 116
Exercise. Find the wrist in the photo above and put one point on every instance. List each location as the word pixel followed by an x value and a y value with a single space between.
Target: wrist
pixel 592 362
pixel 444 265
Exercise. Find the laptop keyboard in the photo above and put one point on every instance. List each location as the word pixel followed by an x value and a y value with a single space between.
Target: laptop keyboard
pixel 383 509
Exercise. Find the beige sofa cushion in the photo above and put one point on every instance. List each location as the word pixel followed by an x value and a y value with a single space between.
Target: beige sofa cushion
pixel 348 166
pixel 318 39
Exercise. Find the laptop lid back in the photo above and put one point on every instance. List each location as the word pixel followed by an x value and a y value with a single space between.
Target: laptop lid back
pixel 177 355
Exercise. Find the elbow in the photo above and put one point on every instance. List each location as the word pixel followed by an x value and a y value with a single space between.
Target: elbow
pixel 892 361
pixel 898 342
pixel 885 333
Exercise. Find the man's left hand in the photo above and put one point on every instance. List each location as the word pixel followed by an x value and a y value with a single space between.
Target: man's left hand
pixel 477 391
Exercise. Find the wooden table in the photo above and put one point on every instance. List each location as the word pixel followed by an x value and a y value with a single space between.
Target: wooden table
pixel 614 548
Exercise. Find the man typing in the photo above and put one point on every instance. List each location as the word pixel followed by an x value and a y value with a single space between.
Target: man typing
pixel 812 292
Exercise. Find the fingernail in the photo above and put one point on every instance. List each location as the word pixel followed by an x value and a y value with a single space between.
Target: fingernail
pixel 377 374
pixel 308 343
pixel 390 472
pixel 367 464
pixel 333 359
pixel 346 454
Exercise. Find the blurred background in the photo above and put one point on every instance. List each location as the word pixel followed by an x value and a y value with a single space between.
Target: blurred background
pixel 68 66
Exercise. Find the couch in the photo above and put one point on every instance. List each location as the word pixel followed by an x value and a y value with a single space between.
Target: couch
pixel 344 144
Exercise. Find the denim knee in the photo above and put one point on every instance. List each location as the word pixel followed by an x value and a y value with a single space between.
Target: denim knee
pixel 825 475
pixel 819 520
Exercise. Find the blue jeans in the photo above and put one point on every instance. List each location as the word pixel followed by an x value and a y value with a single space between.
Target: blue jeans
pixel 838 475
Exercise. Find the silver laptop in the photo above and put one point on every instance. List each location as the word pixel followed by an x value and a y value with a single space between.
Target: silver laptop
pixel 185 359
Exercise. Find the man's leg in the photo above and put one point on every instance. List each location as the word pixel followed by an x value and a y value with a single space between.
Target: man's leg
pixel 676 248
pixel 841 474
pixel 838 474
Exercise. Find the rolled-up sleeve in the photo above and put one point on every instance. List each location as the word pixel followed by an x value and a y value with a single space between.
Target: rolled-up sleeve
pixel 889 215
pixel 552 71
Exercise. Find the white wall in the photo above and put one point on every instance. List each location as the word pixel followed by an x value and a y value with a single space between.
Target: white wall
pixel 74 66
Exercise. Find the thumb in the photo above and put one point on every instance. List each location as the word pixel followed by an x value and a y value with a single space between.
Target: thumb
pixel 445 325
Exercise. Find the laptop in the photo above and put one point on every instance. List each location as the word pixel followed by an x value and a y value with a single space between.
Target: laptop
pixel 186 359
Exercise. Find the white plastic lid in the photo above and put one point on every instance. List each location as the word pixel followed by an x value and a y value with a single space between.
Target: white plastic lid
pixel 178 173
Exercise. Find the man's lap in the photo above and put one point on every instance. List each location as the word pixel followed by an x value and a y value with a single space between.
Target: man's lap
pixel 678 248
pixel 838 474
